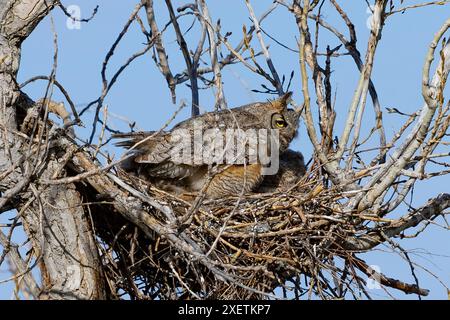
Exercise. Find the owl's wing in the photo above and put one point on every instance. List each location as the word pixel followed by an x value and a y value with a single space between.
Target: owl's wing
pixel 148 146
pixel 153 154
pixel 182 145
pixel 223 119
pixel 169 170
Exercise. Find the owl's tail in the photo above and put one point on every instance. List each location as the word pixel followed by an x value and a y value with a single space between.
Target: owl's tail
pixel 131 138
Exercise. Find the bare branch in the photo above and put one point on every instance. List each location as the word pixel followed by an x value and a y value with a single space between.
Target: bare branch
pixel 431 210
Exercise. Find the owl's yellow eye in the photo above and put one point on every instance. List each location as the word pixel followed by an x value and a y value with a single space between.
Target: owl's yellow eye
pixel 280 123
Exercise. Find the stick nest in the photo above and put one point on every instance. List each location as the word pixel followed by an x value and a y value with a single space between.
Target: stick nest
pixel 250 245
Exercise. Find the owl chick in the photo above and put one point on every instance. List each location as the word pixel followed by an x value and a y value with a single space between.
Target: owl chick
pixel 292 168
pixel 205 141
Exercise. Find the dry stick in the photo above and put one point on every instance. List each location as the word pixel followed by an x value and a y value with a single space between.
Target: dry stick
pixel 190 66
pixel 39 162
pixel 300 15
pixel 395 138
pixel 131 210
pixel 123 67
pixel 106 168
pixel 433 143
pixel 161 207
pixel 142 26
pixel 128 62
pixel 431 210
pixel 105 64
pixel 331 167
pixel 405 255
pixel 31 168
pixel 278 41
pixel 61 88
pixel 436 135
pixel 59 110
pixel 233 55
pixel 198 53
pixel 313 4
pixel 163 63
pixel 99 100
pixel 14 224
pixel 230 58
pixel 404 153
pixel 76 19
pixel 21 266
pixel 84 175
pixel 192 293
pixel 327 137
pixel 389 206
pixel 220 97
pixel 360 95
pixel 421 5
pixel 311 60
pixel 393 283
pixel 317 29
pixel 102 132
pixel 269 62
pixel 351 47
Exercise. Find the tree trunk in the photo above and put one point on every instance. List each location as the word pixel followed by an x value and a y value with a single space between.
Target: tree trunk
pixel 53 218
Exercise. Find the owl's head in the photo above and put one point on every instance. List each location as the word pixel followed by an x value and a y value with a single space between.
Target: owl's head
pixel 283 119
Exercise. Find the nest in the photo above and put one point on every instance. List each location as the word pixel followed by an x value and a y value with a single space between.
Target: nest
pixel 252 245
pixel 301 241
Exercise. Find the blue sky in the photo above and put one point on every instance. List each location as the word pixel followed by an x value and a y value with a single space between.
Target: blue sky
pixel 141 93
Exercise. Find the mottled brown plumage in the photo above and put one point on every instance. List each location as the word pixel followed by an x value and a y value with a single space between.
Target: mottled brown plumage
pixel 153 151
pixel 292 169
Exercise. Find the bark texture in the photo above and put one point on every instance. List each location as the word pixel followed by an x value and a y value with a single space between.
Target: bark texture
pixel 55 222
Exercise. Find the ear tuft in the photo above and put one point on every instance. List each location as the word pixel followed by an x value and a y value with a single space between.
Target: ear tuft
pixel 282 102
pixel 286 98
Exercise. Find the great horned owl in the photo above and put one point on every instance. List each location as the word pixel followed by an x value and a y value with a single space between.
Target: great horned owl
pixel 153 152
pixel 292 168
